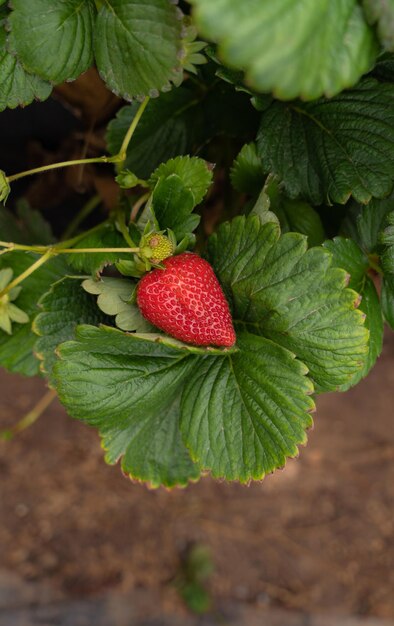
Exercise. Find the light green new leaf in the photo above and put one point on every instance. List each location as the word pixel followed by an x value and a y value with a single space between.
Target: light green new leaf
pixel 281 290
pixel 105 237
pixel 136 46
pixel 53 39
pixel 381 13
pixel 173 204
pixel 16 352
pixel 294 48
pixel 18 87
pixel 127 387
pixel 328 150
pixel 347 255
pixel 242 416
pixel 170 126
pixel 195 174
pixel 63 308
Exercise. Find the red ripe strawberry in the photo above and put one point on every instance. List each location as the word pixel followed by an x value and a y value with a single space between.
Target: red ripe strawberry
pixel 186 301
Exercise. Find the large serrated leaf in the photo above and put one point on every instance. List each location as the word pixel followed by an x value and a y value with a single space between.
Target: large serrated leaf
pixel 244 415
pixel 53 39
pixel 328 150
pixel 292 48
pixel 16 352
pixel 18 87
pixel 63 308
pixel 136 46
pixel 128 387
pixel 26 225
pixel 281 290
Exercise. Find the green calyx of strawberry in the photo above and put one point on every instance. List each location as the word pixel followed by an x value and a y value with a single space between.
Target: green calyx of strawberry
pixel 154 247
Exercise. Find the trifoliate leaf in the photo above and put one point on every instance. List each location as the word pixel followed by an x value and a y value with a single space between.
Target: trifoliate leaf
pixel 59 45
pixel 63 308
pixel 195 174
pixel 291 48
pixel 381 13
pixel 387 299
pixel 130 393
pixel 247 173
pixel 115 297
pixel 328 150
pixel 388 241
pixel 347 255
pixel 281 290
pixel 16 352
pixel 93 263
pixel 242 416
pixel 18 87
pixel 136 46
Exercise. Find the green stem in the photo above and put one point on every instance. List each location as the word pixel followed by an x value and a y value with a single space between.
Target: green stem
pixel 31 417
pixel 54 166
pixel 86 210
pixel 48 254
pixel 91 250
pixel 125 144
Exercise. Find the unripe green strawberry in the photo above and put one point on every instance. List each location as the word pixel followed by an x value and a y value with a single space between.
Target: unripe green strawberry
pixel 186 301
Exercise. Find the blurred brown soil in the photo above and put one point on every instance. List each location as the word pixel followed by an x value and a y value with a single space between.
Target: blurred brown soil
pixel 317 535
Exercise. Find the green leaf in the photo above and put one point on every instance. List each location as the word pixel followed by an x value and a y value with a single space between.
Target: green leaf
pixel 16 352
pixel 18 87
pixel 59 44
pixel 387 299
pixel 105 237
pixel 128 387
pixel 116 297
pixel 388 241
pixel 170 126
pixel 136 46
pixel 365 224
pixel 381 13
pixel 293 49
pixel 347 255
pixel 242 416
pixel 173 204
pixel 195 174
pixel 247 173
pixel 294 215
pixel 27 226
pixel 291 295
pixel 328 150
pixel 64 307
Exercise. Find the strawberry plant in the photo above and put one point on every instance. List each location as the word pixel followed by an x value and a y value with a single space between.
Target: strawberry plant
pixel 247 265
